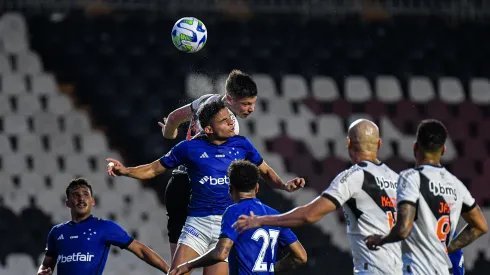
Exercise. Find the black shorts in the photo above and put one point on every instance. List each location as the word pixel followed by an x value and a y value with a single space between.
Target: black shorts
pixel 177 197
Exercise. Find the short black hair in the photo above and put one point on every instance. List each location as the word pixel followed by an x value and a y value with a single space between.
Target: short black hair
pixel 431 135
pixel 240 85
pixel 243 175
pixel 77 183
pixel 209 111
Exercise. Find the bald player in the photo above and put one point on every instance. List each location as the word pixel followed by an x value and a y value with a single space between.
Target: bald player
pixel 367 193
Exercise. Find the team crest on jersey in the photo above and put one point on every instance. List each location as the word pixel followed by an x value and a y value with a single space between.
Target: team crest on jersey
pixel 439 189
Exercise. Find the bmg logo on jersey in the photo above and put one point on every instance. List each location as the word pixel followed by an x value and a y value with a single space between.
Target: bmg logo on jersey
pixel 79 257
pixel 215 181
pixel 385 184
pixel 438 189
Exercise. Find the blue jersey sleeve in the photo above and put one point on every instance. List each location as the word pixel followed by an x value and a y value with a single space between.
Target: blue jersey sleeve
pixel 229 218
pixel 252 154
pixel 287 237
pixel 116 235
pixel 51 244
pixel 176 156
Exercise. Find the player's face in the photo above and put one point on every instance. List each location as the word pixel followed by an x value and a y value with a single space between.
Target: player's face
pixel 223 125
pixel 80 201
pixel 243 107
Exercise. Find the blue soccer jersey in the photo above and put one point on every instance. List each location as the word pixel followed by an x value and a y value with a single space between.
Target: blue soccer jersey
pixel 82 248
pixel 457 260
pixel 207 166
pixel 255 250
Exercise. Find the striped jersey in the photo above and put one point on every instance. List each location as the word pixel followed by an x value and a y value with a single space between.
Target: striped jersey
pixel 440 198
pixel 367 193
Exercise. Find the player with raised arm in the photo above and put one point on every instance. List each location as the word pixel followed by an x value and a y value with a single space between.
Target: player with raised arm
pixel 81 246
pixel 240 98
pixel 367 193
pixel 254 251
pixel 430 202
pixel 207 159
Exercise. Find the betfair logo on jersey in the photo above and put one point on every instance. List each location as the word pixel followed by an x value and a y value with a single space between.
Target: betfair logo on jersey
pixel 385 184
pixel 215 181
pixel 78 257
pixel 439 189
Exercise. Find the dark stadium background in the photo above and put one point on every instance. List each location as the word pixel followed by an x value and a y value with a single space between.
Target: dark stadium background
pixel 85 80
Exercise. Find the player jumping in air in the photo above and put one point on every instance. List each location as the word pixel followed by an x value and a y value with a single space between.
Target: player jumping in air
pixel 240 98
pixel 81 246
pixel 254 251
pixel 207 159
pixel 430 202
pixel 367 193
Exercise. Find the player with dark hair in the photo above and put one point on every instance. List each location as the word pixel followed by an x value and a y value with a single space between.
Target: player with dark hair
pixel 240 97
pixel 81 246
pixel 430 202
pixel 207 158
pixel 254 251
pixel 366 192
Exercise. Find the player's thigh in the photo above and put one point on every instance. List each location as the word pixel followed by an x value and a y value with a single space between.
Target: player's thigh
pixel 196 237
pixel 216 269
pixel 173 247
pixel 183 253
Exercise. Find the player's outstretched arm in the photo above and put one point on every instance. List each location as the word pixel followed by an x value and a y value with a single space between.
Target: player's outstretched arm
pixel 297 217
pixel 402 229
pixel 297 256
pixel 142 172
pixel 47 266
pixel 273 180
pixel 218 254
pixel 149 256
pixel 477 226
pixel 171 124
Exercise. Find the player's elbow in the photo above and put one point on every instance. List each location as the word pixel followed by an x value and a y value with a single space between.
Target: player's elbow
pixel 222 256
pixel 483 229
pixel 302 257
pixel 310 217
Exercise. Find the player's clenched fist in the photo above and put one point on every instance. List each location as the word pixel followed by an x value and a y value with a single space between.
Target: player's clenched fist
pixel 373 242
pixel 181 269
pixel 295 184
pixel 115 168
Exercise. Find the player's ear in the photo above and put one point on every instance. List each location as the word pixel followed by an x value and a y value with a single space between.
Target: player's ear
pixel 256 188
pixel 208 130
pixel 348 142
pixel 67 203
pixel 228 98
pixel 443 150
pixel 380 142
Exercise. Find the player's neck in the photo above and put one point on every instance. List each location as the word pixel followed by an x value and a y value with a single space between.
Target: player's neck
pixel 428 161
pixel 360 157
pixel 76 218
pixel 246 196
pixel 216 141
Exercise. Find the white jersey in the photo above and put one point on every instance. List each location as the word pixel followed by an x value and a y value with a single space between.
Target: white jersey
pixel 196 106
pixel 367 194
pixel 439 198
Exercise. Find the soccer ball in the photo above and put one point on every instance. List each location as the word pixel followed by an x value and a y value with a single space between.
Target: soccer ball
pixel 189 34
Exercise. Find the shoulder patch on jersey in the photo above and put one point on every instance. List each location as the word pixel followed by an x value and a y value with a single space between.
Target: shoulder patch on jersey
pixel 347 173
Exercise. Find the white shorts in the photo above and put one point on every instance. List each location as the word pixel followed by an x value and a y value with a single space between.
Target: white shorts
pixel 201 233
